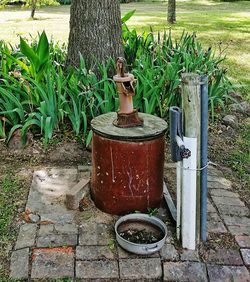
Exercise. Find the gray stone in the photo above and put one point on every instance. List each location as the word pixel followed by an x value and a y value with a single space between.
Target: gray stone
pixel 19 265
pixel 59 217
pixel 57 240
pixel 168 252
pixel 219 182
pixel 34 218
pixel 233 220
pixel 77 193
pixel 230 120
pixel 52 263
pixel 26 237
pixel 216 227
pixel 122 254
pixel 243 241
pixel 210 207
pixel 58 229
pixel 237 211
pixel 189 255
pixel 218 273
pixel 140 268
pixel 212 216
pixel 95 234
pixel 97 269
pixel 184 271
pixel 218 185
pixel 225 256
pixel 94 253
pixel 239 229
pixel 227 201
pixel 223 193
pixel 242 107
pixel 48 192
pixel 246 256
pixel 214 171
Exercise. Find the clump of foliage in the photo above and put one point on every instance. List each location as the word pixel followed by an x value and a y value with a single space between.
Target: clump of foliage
pixel 38 94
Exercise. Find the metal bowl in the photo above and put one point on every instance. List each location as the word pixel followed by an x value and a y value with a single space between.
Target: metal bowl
pixel 139 221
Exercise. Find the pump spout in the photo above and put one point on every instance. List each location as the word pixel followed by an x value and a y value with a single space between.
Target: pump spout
pixel 127 116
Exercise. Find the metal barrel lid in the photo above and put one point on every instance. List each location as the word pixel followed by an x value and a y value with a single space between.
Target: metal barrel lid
pixel 153 128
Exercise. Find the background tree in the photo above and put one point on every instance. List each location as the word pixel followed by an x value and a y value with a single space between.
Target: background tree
pixel 95 31
pixel 171 11
pixel 33 4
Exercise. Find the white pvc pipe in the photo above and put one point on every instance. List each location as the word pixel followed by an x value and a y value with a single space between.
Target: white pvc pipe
pixel 179 141
pixel 178 196
pixel 188 197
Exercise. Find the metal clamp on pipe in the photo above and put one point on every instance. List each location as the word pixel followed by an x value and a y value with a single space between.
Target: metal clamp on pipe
pixel 178 150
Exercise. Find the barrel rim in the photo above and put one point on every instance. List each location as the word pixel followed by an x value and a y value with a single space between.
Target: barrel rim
pixel 129 134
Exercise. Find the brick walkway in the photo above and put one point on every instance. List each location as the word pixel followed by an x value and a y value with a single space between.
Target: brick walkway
pixel 81 245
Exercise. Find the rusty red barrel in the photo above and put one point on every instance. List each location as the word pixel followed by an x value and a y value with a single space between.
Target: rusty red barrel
pixel 128 163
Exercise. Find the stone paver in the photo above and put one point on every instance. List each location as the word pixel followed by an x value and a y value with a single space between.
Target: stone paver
pixel 218 273
pixel 140 268
pixel 246 256
pixel 243 241
pixel 168 252
pixel 216 227
pixel 58 229
pixel 26 237
pixel 189 255
pixel 184 271
pixel 236 211
pixel 61 248
pixel 52 263
pixel 224 256
pixel 94 253
pixel 228 201
pixel 212 216
pixel 97 269
pixel 213 171
pixel 236 220
pixel 210 207
pixel 223 193
pixel 19 266
pixel 239 229
pixel 219 179
pixel 218 185
pixel 94 234
pixel 56 240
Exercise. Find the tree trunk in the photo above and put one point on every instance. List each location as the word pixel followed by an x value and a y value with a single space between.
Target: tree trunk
pixel 171 11
pixel 33 8
pixel 95 31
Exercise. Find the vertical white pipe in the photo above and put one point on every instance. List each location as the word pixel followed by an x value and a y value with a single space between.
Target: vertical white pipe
pixel 188 197
pixel 178 196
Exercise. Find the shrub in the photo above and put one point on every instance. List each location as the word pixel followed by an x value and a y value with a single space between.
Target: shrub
pixel 39 95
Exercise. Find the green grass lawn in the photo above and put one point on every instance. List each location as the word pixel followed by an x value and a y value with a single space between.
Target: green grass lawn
pixel 223 25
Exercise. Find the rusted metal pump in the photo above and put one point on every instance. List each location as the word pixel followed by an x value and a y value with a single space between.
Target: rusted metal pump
pixel 127 116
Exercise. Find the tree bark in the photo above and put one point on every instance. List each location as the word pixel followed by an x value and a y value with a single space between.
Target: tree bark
pixel 171 11
pixel 95 31
pixel 33 8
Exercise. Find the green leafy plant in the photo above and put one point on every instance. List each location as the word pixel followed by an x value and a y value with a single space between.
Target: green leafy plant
pixel 38 59
pixel 152 211
pixel 36 93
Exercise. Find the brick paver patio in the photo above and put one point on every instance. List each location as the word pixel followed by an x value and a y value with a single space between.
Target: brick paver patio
pixel 81 246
